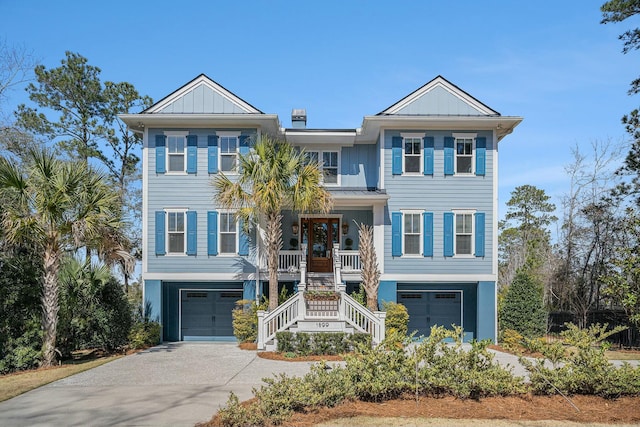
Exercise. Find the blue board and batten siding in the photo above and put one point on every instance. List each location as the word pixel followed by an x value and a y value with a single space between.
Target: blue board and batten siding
pixel 192 191
pixel 359 166
pixel 438 194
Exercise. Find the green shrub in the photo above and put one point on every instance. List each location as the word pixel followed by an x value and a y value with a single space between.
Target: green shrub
pixel 580 366
pixel 245 321
pixel 397 317
pixel 236 415
pixel 321 343
pixel 23 352
pixel 360 296
pixel 144 334
pixel 522 308
pixel 512 340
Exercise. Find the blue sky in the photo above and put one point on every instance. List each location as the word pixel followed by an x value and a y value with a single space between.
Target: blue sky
pixel 550 62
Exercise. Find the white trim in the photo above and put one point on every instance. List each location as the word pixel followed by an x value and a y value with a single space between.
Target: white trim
pixel 203 80
pixel 184 133
pixel 423 278
pixel 320 151
pixel 180 134
pixel 471 212
pixel 404 155
pixel 237 233
pixel 145 200
pixel 201 276
pixel 169 211
pixel 382 157
pixel 440 82
pixel 494 223
pixel 464 135
pixel 455 156
pixel 420 236
pixel 228 134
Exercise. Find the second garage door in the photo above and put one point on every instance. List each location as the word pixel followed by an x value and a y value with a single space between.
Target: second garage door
pixel 206 315
pixel 427 309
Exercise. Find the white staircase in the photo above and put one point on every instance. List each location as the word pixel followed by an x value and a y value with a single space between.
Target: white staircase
pixel 317 312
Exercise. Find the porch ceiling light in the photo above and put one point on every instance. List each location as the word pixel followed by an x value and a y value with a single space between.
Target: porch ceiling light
pixel 295 227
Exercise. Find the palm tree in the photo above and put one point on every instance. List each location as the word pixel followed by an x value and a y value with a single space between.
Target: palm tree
pixel 272 177
pixel 60 206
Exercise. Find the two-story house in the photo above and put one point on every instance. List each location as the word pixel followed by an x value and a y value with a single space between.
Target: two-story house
pixel 423 173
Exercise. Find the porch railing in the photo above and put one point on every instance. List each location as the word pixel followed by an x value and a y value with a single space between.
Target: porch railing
pixel 350 261
pixel 289 261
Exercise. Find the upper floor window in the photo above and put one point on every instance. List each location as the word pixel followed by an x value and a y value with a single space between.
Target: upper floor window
pixel 176 232
pixel 228 153
pixel 464 155
pixel 228 231
pixel 328 162
pixel 176 153
pixel 412 233
pixel 412 155
pixel 464 234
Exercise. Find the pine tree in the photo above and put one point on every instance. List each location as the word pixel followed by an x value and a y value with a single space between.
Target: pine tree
pixel 523 309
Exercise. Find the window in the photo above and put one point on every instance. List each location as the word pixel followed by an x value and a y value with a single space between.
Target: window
pixel 176 232
pixel 464 155
pixel 176 145
pixel 412 223
pixel 464 234
pixel 227 233
pixel 412 155
pixel 328 166
pixel 228 153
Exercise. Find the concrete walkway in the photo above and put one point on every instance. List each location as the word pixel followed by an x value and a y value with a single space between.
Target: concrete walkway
pixel 177 384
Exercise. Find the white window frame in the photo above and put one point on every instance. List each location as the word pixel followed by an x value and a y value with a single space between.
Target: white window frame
pixel 420 234
pixel 472 137
pixel 220 232
pixel 320 153
pixel 176 134
pixel 168 212
pixel 235 135
pixel 405 137
pixel 472 213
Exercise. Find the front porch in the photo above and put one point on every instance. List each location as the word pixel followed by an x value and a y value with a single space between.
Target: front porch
pixel 320 303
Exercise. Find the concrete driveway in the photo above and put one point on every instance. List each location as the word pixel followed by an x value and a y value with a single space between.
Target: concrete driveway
pixel 176 384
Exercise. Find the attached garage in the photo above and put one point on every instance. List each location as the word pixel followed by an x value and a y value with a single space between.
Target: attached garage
pixel 206 314
pixel 430 308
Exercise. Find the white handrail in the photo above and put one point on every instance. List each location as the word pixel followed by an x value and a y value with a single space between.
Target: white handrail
pixel 362 319
pixel 289 260
pixel 279 319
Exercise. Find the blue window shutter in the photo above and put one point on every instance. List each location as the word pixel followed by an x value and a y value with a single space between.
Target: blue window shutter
pixel 448 155
pixel 192 153
pixel 428 155
pixel 396 155
pixel 243 240
pixel 161 154
pixel 396 234
pixel 212 233
pixel 212 153
pixel 480 239
pixel 160 233
pixel 481 155
pixel 427 225
pixel 448 234
pixel 244 144
pixel 192 232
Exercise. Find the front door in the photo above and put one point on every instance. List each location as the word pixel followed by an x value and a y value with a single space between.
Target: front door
pixel 320 234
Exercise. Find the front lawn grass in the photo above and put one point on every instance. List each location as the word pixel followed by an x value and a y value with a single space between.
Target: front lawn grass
pixel 12 385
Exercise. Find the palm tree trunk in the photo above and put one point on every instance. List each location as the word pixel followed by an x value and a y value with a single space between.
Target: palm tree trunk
pixel 273 240
pixel 50 305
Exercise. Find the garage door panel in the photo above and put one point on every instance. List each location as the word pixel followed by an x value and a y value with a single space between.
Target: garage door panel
pixel 206 314
pixel 427 309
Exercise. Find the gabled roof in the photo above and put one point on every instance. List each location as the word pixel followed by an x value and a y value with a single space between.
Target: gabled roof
pixel 439 97
pixel 202 96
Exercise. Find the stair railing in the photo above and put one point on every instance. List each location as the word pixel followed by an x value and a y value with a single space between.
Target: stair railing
pixel 362 319
pixel 287 313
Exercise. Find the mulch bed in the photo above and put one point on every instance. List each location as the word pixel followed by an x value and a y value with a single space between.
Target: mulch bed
pixel 273 355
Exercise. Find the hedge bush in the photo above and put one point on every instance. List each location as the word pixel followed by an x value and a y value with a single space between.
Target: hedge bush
pixel 322 343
